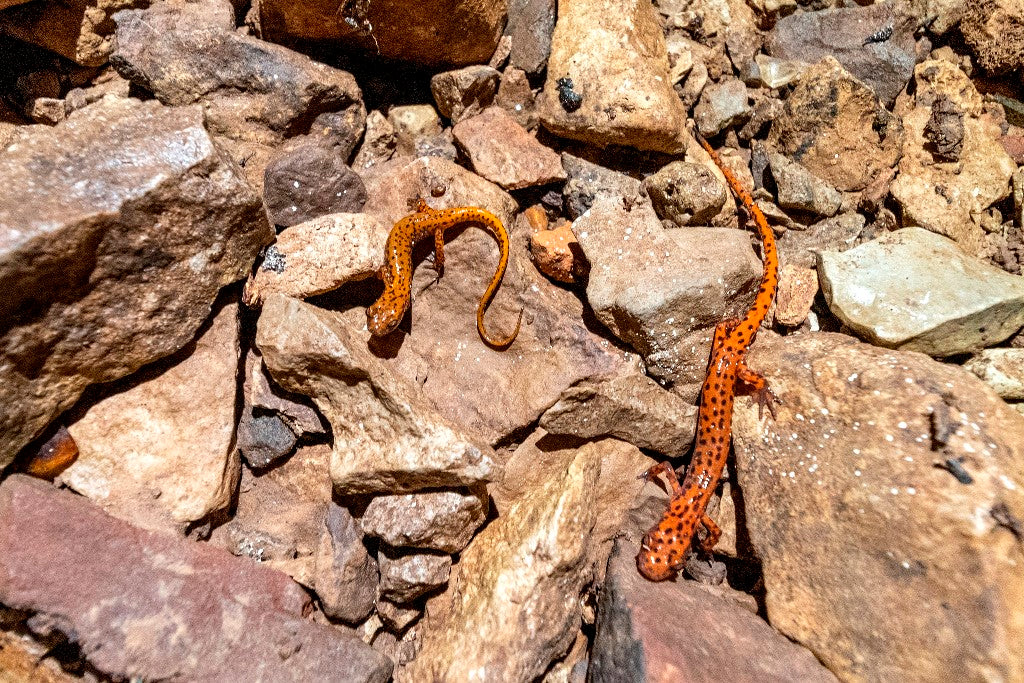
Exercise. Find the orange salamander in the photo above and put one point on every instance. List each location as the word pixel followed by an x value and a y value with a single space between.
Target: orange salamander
pixel 664 548
pixel 384 315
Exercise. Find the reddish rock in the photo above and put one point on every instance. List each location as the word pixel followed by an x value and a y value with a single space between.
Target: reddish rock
pixel 502 151
pixel 144 604
pixel 557 252
pixel 310 180
pixel 516 97
pixel 797 288
pixel 994 30
pixel 530 25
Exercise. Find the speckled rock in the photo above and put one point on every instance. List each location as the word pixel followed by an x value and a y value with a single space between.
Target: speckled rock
pixel 914 572
pixel 530 25
pixel 308 180
pixel 686 193
pixel 890 292
pixel 587 181
pixel 797 288
pixel 596 47
pixel 379 142
pixel 994 31
pixel 800 190
pixel 346 574
pixel 433 520
pixel 405 577
pixel 722 105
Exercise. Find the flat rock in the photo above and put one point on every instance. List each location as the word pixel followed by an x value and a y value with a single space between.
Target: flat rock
pixel 513 599
pixel 913 572
pixel 309 180
pixel 148 605
pixel 631 407
pixel 608 78
pixel 160 452
pixel 835 126
pixel 688 281
pixel 501 150
pixel 994 31
pixel 346 574
pixel 686 193
pixel 279 514
pixel 800 190
pixel 721 105
pixel 915 290
pixel 885 66
pixel 319 256
pixel 387 439
pixel 432 32
pixel 490 393
pixel 1001 369
pixel 432 520
pixel 797 288
pixel 946 195
pixel 465 92
pixel 250 89
pixel 800 247
pixel 638 636
pixel 113 251
pixel 405 577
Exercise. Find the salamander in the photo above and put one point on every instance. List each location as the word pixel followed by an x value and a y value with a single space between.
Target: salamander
pixel 384 315
pixel 663 550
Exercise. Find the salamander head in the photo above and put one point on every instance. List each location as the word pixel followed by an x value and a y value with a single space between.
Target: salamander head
pixel 660 556
pixel 383 316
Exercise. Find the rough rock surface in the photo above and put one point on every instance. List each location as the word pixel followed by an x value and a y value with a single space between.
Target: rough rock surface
pixel 404 577
pixel 185 610
pixel 890 292
pixel 994 30
pixel 346 574
pixel 308 180
pixel 686 193
pixel 501 150
pixel 431 32
pixel 433 520
pixel 1001 369
pixel 913 571
pixel 530 25
pixel 799 190
pixel 386 438
pixel 251 90
pixel 160 453
pixel 608 78
pixel 639 636
pixel 112 252
pixel 465 92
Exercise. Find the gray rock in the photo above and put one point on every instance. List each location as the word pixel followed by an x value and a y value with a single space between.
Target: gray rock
pixel 434 520
pixel 801 190
pixel 112 251
pixel 530 25
pixel 231 619
pixel 346 574
pixel 722 105
pixel 800 247
pixel 587 181
pixel 379 142
pixel 264 439
pixel 464 92
pixel 686 193
pixel 308 180
pixel 915 290
pixel 405 577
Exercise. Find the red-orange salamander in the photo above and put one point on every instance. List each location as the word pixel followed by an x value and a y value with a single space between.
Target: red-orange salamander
pixel 384 315
pixel 663 551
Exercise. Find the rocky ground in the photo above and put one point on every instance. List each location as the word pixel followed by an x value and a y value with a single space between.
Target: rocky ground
pixel 212 472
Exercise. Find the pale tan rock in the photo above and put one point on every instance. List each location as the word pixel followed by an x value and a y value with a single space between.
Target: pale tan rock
pixel 433 520
pixel 1001 369
pixel 465 92
pixel 883 564
pixel 501 150
pixel 404 577
pixel 319 256
pixel 797 288
pixel 994 30
pixel 379 142
pixel 160 453
pixel 614 53
pixel 412 123
pixel 490 393
pixel 513 599
pixel 947 196
pixel 386 438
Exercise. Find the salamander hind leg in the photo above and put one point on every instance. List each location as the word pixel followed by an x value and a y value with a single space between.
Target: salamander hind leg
pixel 750 383
pixel 439 250
pixel 714 533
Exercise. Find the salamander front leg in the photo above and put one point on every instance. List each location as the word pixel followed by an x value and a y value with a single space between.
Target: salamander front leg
pixel 750 383
pixel 666 469
pixel 714 533
pixel 439 251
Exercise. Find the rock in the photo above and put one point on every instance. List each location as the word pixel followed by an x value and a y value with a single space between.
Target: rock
pixel 587 181
pixel 113 251
pixel 346 574
pixel 51 457
pixel 516 97
pixel 231 618
pixel 406 577
pixel 913 571
pixel 557 253
pixel 250 89
pixel 160 452
pixel 442 352
pixel 22 658
pixel 722 105
pixel 835 127
pixel 78 29
pixel 631 407
pixel 306 181
pixel 501 150
pixel 530 25
pixel 378 144
pixel 942 15
pixel 415 126
pixel 465 92
pixel 432 520
pixel 263 440
pixel 397 617
pixel 994 31
pixel 513 599
pixel 800 190
pixel 583 98
pixel 776 73
pixel 261 394
pixel 945 196
pixel 890 292
pixel 279 514
pixel 432 33
pixel 839 233
pixel 319 256
pixel 1001 369
pixel 387 439
pixel 691 279
pixel 875 43
pixel 797 288
pixel 107 83
pixel 638 636
pixel 686 193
